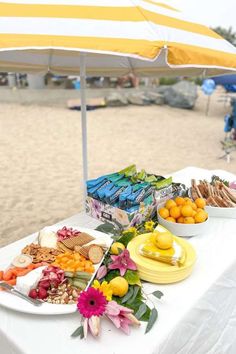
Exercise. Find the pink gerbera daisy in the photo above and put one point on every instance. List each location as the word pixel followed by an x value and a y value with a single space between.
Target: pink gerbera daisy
pixel 91 303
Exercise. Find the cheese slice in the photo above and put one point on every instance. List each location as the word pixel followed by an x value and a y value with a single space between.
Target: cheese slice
pixel 29 281
pixel 47 238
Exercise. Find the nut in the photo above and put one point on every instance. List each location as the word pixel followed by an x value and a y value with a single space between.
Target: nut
pixel 74 293
pixel 64 296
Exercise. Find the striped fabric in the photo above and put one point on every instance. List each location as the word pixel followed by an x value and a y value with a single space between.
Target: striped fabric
pixel 146 37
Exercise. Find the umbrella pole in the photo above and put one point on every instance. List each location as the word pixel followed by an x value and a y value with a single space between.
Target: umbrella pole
pixel 84 122
pixel 208 105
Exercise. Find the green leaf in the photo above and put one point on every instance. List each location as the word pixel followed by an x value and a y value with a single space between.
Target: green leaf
pixel 78 332
pixel 132 277
pixel 107 228
pixel 136 289
pixel 117 299
pixel 135 307
pixel 128 295
pixel 126 238
pixel 157 294
pixel 152 320
pixel 141 311
pixel 119 225
pixel 112 274
pixel 146 316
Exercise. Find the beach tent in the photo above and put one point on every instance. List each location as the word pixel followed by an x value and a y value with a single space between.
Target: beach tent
pixel 225 80
pixel 107 38
pixel 228 81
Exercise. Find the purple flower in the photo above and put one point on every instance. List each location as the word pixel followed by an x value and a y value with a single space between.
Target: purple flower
pixel 102 272
pixel 95 208
pixel 136 220
pixel 122 262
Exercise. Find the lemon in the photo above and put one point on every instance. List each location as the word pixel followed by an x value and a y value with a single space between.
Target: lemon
pixel 119 286
pixel 117 247
pixel 164 240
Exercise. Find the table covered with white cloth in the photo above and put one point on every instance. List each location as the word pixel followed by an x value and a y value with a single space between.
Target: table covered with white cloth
pixel 196 316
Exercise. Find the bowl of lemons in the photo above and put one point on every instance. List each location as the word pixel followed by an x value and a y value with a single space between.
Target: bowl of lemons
pixel 184 216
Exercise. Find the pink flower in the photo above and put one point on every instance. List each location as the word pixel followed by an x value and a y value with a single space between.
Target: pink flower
pixel 91 324
pixel 122 262
pixel 102 272
pixel 91 303
pixel 121 316
pixel 232 185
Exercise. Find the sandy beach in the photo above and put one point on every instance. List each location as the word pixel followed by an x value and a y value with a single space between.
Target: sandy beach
pixel 41 164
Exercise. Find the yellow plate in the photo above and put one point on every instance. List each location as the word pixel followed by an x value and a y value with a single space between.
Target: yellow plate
pixel 157 272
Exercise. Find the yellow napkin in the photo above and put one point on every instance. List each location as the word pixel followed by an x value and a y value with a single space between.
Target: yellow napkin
pixel 173 256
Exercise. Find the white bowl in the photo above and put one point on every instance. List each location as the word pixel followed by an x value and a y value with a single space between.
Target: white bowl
pixel 183 230
pixel 219 212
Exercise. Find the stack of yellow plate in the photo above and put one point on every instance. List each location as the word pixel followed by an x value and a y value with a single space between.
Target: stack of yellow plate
pixel 157 272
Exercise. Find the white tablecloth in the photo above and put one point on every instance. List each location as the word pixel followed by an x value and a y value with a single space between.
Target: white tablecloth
pixel 196 316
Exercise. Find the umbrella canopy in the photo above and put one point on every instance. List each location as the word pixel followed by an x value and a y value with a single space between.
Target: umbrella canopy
pixel 145 37
pixel 107 38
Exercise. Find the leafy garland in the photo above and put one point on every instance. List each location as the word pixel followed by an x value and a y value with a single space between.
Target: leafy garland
pixel 135 299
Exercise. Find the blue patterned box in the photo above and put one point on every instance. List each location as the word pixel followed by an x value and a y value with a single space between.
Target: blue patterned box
pixel 118 217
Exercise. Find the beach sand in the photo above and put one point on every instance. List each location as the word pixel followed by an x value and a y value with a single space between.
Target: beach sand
pixel 41 164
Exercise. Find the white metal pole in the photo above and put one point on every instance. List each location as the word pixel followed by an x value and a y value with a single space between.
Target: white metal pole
pixel 84 122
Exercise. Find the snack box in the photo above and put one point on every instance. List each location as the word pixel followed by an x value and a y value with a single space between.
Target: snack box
pixel 163 190
pixel 119 217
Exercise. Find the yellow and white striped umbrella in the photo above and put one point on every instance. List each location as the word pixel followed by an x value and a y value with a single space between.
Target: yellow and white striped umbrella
pixel 145 37
pixel 107 38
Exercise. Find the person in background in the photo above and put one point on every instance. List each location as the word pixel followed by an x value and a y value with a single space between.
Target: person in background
pixel 130 78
